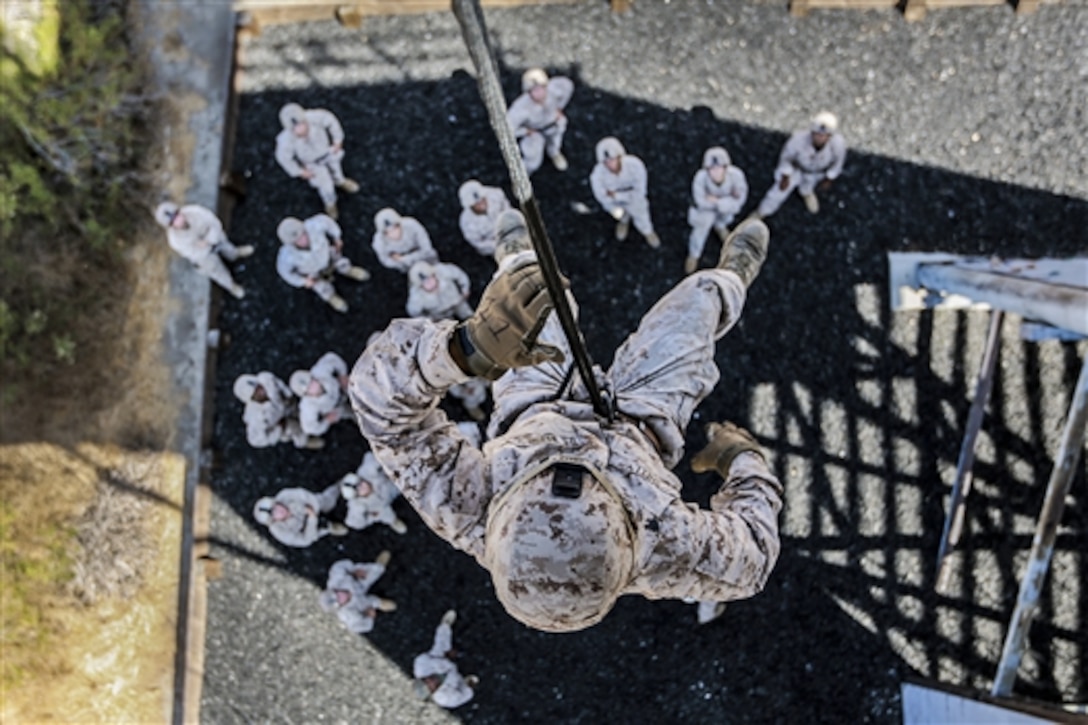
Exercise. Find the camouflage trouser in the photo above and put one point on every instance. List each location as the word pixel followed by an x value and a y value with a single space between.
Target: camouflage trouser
pixel 323 286
pixel 660 373
pixel 636 209
pixel 213 266
pixel 804 182
pixel 547 141
pixel 702 221
pixel 327 173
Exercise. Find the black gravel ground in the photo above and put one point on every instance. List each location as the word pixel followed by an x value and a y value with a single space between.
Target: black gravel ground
pixel 861 409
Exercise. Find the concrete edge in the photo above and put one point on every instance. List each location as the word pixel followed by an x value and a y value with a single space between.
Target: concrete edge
pixel 190 47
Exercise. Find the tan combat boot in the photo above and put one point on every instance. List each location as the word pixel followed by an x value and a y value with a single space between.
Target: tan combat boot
pixel 337 303
pixel 237 291
pixel 357 273
pixel 690 265
pixel 811 203
pixel 332 211
pixel 745 249
pixel 653 240
pixel 349 185
pixel 559 161
pixel 246 250
pixel 623 228
pixel 383 558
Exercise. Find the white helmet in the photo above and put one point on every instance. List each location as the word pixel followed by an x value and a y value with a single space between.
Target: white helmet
pixel 262 510
pixel 289 230
pixel 418 271
pixel 470 192
pixel 244 387
pixel 716 156
pixel 291 115
pixel 824 122
pixel 533 77
pixel 300 380
pixel 609 147
pixel 328 601
pixel 386 218
pixel 165 213
pixel 559 547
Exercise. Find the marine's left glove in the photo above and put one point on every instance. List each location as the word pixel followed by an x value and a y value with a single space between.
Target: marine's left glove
pixel 502 333
pixel 727 441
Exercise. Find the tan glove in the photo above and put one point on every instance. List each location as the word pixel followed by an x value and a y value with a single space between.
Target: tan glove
pixel 502 333
pixel 726 442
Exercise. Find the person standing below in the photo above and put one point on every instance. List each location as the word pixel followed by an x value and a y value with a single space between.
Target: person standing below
pixel 619 183
pixel 480 207
pixel 370 495
pixel 310 252
pixel 196 233
pixel 322 394
pixel 537 118
pixel 401 241
pixel 438 291
pixel 311 147
pixel 298 517
pixel 271 412
pixel 436 675
pixel 718 192
pixel 566 509
pixel 810 159
pixel 347 593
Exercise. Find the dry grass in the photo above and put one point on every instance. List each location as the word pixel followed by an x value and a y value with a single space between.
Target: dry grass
pixel 91 546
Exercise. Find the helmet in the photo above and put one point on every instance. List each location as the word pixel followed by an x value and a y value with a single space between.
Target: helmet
pixel 824 122
pixel 418 271
pixel 165 213
pixel 386 218
pixel 244 387
pixel 348 486
pixel 609 147
pixel 327 600
pixel 291 115
pixel 511 234
pixel 715 156
pixel 533 77
pixel 289 230
pixel 470 192
pixel 262 510
pixel 559 557
pixel 300 380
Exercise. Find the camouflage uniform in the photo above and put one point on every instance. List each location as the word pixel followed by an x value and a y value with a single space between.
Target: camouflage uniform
pixel 622 194
pixel 453 691
pixel 539 127
pixel 377 506
pixel 346 593
pixel 315 264
pixel 806 165
pixel 306 518
pixel 661 373
pixel 449 297
pixel 203 242
pixel 414 244
pixel 714 205
pixel 320 151
pixel 479 228
pixel 271 421
pixel 319 410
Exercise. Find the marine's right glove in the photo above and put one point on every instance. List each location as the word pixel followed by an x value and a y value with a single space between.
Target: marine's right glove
pixel 502 333
pixel 727 441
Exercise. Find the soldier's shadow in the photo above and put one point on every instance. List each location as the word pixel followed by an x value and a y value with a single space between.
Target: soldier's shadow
pixel 803 337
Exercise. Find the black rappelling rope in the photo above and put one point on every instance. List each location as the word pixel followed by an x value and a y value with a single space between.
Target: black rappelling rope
pixel 471 19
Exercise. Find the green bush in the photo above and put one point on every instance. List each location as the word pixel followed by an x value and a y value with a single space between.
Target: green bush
pixel 73 141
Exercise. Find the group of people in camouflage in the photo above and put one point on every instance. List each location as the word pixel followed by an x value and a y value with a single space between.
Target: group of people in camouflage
pixel 625 528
